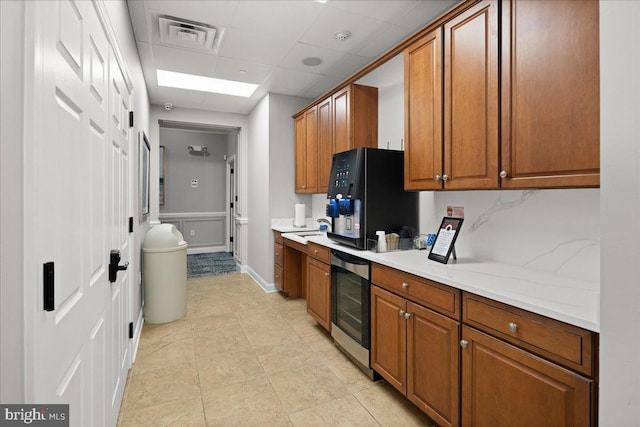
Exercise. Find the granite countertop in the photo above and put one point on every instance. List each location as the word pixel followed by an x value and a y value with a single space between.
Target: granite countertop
pixel 569 300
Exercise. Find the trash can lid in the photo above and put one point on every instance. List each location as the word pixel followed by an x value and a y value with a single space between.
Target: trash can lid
pixel 163 236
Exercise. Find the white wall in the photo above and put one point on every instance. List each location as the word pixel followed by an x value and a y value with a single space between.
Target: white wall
pixel 391 116
pixel 259 226
pixel 620 208
pixel 12 20
pixel 271 182
pixel 181 167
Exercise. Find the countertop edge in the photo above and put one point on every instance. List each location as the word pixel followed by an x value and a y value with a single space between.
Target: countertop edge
pixel 442 273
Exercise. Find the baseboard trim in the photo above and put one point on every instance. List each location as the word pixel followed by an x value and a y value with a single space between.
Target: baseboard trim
pixel 206 250
pixel 267 287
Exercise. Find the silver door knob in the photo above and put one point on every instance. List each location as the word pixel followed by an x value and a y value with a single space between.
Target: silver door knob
pixel 326 274
pixel 513 327
pixel 407 315
pixel 405 285
pixel 437 177
pixel 401 312
pixel 464 343
pixel 445 177
pixel 503 174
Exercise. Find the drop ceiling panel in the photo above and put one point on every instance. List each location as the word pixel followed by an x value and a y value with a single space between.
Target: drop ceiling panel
pixel 322 86
pixel 383 40
pixel 333 20
pixel 184 61
pixel 250 46
pixel 287 20
pixel 380 10
pixel 180 96
pixel 300 51
pixel 230 69
pixel 287 81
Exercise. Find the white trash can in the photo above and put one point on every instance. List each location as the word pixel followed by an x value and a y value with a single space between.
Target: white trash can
pixel 164 274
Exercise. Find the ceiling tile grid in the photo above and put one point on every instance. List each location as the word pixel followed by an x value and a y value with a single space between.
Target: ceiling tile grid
pixel 264 42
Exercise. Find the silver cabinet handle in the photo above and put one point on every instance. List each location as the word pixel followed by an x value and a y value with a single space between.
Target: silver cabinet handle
pixel 513 327
pixel 401 312
pixel 503 174
pixel 437 177
pixel 405 285
pixel 464 343
pixel 326 274
pixel 407 315
pixel 445 177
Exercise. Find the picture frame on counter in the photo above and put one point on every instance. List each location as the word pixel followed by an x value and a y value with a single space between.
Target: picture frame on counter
pixel 446 240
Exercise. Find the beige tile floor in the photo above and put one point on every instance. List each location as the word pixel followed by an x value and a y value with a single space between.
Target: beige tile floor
pixel 242 357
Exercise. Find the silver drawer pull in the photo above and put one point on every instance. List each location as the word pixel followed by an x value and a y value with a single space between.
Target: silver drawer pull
pixel 464 343
pixel 401 312
pixel 407 315
pixel 513 327
pixel 405 285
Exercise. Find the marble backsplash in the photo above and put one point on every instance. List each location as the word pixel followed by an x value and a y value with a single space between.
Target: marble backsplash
pixel 556 231
pixel 549 230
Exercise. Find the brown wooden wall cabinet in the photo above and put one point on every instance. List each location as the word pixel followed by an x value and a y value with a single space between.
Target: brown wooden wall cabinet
pixel 306 152
pixel 503 367
pixel 347 119
pixel 415 348
pixel 319 284
pixel 549 111
pixel 550 94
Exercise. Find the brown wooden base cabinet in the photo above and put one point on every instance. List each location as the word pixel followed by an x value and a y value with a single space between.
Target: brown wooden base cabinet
pixel 416 350
pixel 503 385
pixel 278 261
pixel 319 284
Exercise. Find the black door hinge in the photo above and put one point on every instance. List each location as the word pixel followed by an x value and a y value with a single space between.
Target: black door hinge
pixel 130 119
pixel 48 277
pixel 236 198
pixel 231 205
pixel 130 224
pixel 130 330
pixel 231 170
pixel 231 239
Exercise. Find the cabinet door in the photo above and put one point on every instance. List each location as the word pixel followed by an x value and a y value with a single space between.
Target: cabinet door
pixel 325 145
pixel 341 121
pixel 433 366
pixel 423 113
pixel 300 153
pixel 311 151
pixel 550 94
pixel 319 292
pixel 389 337
pixel 505 386
pixel 471 98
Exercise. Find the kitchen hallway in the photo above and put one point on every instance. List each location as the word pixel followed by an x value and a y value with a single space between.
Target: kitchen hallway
pixel 244 357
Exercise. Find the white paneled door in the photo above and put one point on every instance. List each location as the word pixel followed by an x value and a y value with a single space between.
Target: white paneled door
pixel 77 202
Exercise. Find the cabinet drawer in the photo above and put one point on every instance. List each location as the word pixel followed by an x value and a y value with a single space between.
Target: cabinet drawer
pixel 277 237
pixel 278 254
pixel 320 252
pixel 565 344
pixel 438 297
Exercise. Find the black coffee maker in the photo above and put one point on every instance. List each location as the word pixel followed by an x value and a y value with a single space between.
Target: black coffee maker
pixel 366 194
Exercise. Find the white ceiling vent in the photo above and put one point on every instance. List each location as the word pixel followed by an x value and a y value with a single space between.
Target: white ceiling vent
pixel 184 33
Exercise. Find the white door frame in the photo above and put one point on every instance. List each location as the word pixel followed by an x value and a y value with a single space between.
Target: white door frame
pixel 230 198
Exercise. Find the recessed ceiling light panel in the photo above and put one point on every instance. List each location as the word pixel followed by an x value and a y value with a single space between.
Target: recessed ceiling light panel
pixel 204 84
